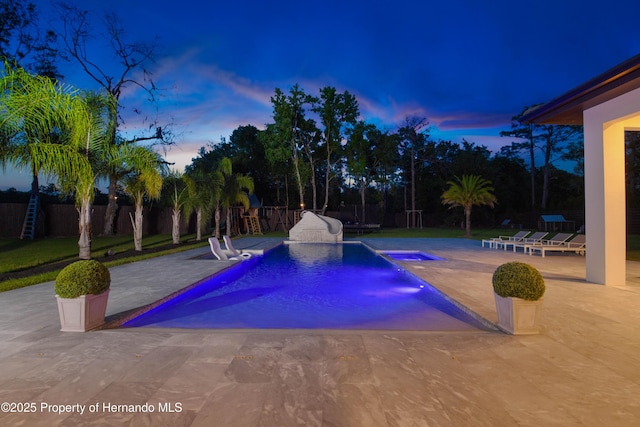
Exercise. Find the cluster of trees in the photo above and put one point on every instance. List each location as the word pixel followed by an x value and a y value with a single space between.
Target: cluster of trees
pixel 62 132
pixel 319 154
pixel 55 129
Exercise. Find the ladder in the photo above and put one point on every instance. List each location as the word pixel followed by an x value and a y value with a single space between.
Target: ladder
pixel 253 225
pixel 29 225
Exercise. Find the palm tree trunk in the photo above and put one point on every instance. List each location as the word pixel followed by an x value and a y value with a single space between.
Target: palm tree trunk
pixel 175 226
pixel 199 224
pixel 112 207
pixel 84 226
pixel 217 218
pixel 136 223
pixel 467 214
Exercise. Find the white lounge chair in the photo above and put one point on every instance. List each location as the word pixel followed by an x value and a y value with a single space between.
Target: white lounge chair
pixel 233 251
pixel 493 242
pixel 578 245
pixel 535 237
pixel 556 240
pixel 217 250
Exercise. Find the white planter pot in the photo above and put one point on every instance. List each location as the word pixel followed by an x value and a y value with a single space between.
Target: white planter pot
pixel 83 313
pixel 518 316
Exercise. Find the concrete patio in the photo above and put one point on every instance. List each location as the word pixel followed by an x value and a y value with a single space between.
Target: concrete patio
pixel 582 370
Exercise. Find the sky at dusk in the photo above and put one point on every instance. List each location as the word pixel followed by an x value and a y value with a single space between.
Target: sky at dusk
pixel 467 66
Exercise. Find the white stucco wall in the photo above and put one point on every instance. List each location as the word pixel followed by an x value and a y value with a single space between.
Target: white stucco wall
pixel 605 204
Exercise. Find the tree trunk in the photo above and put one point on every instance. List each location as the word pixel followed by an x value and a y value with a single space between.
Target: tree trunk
pixel 298 177
pixel 35 186
pixel 84 228
pixel 363 187
pixel 532 159
pixel 137 228
pixel 314 189
pixel 175 226
pixel 217 218
pixel 112 207
pixel 413 189
pixel 228 227
pixel 467 214
pixel 199 224
pixel 546 171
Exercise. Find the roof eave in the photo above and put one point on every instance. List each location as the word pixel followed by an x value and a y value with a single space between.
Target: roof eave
pixel 567 109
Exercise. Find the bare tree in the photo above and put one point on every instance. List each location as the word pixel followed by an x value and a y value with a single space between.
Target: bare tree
pixel 133 58
pixel 23 43
pixel 413 139
pixel 554 140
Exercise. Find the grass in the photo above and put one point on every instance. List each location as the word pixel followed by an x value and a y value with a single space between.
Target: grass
pixel 476 234
pixel 18 255
pixel 633 247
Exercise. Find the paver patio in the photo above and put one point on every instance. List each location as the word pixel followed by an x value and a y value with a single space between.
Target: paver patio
pixel 583 369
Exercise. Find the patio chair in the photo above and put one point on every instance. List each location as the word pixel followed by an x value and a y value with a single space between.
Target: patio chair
pixel 535 237
pixel 577 244
pixel 214 244
pixel 493 242
pixel 233 251
pixel 556 240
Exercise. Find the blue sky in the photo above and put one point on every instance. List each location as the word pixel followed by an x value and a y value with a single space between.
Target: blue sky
pixel 468 66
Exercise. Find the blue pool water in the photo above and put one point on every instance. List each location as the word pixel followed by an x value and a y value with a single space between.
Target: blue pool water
pixel 412 256
pixel 327 286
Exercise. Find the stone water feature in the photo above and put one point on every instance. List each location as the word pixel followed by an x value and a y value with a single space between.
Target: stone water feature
pixel 316 228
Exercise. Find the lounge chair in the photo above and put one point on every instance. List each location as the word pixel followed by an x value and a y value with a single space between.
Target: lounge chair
pixel 578 245
pixel 535 237
pixel 493 242
pixel 217 250
pixel 233 251
pixel 556 240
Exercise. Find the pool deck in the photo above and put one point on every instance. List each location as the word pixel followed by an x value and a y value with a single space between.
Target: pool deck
pixel 583 369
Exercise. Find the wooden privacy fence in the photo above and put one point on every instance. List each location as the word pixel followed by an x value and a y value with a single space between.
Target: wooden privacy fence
pixel 61 220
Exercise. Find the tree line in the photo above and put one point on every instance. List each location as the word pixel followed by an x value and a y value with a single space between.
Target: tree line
pixel 318 152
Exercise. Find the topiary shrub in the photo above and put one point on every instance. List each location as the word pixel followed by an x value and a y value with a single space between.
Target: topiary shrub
pixel 518 280
pixel 82 278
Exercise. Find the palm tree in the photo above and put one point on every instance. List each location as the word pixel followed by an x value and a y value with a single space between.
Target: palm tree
pixel 145 181
pixel 468 191
pixel 203 193
pixel 178 188
pixel 232 191
pixel 57 131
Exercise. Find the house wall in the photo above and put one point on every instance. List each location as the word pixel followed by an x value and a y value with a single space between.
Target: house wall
pixel 605 203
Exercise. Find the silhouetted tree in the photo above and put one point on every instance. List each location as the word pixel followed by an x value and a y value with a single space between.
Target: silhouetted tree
pixel 467 191
pixel 132 60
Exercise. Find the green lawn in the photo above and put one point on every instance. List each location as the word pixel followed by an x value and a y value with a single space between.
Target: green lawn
pixel 18 254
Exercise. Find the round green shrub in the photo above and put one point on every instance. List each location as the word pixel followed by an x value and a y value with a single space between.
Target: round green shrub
pixel 82 278
pixel 518 280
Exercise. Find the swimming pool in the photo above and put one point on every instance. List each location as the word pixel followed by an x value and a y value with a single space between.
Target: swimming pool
pixel 411 256
pixel 311 286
